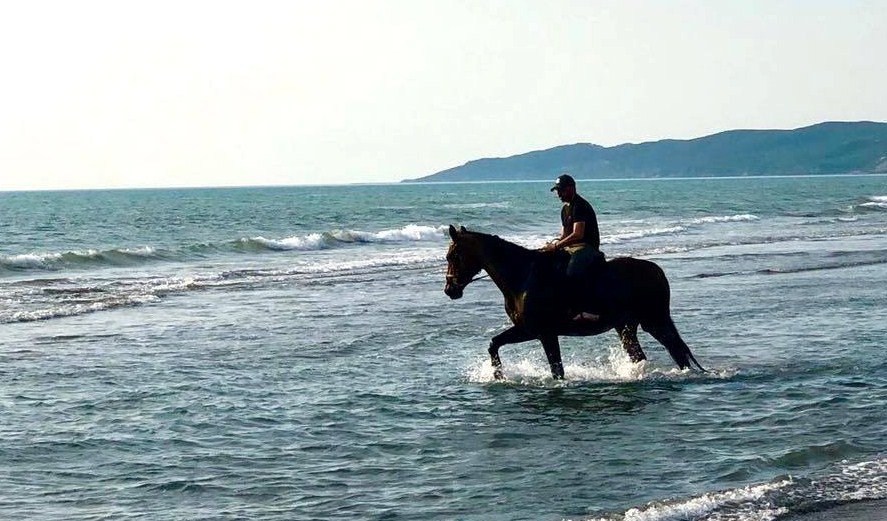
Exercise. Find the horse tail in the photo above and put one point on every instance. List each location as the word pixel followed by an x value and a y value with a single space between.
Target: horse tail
pixel 667 334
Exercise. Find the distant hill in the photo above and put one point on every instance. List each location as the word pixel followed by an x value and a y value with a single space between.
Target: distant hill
pixel 825 148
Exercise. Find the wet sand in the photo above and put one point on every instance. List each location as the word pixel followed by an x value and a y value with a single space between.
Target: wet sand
pixel 861 511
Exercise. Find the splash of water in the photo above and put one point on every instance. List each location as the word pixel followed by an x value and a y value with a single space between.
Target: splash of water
pixel 613 366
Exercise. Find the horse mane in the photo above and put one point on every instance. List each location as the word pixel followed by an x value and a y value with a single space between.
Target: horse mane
pixel 500 247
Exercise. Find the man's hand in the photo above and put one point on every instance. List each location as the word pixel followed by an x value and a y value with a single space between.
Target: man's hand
pixel 549 246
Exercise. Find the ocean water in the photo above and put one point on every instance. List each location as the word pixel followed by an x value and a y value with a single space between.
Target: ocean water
pixel 288 353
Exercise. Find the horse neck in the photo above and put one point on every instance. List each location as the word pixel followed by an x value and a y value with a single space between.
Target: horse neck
pixel 507 264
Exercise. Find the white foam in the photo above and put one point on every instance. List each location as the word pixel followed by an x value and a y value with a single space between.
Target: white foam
pixel 47 260
pixel 320 241
pixel 121 293
pixel 613 367
pixel 875 201
pixel 640 234
pixel 665 250
pixel 310 242
pixel 28 260
pixel 724 219
pixel 68 310
pixel 767 501
pixel 141 251
pixel 706 504
pixel 394 259
pixel 859 481
pixel 42 260
pixel 529 241
pixel 468 206
pixel 410 232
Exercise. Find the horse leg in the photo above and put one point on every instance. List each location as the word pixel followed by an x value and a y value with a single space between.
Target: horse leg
pixel 552 347
pixel 628 334
pixel 512 335
pixel 667 334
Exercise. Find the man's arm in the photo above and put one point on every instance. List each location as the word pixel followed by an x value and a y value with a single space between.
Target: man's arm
pixel 567 239
pixel 574 237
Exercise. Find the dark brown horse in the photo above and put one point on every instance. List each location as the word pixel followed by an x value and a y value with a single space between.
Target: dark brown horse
pixel 625 292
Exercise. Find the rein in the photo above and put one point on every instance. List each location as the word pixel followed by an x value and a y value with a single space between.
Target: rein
pixel 452 280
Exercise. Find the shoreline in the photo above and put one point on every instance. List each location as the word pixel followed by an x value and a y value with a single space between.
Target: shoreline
pixel 863 510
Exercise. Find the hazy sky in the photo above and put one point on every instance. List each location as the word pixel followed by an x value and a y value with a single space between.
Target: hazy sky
pixel 124 93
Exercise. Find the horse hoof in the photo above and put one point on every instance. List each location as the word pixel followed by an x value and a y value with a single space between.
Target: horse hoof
pixel 497 374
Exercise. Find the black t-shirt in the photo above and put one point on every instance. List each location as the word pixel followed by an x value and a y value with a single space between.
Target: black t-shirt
pixel 579 210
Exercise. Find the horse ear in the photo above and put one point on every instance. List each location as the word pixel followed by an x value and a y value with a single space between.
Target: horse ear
pixel 453 232
pixel 463 229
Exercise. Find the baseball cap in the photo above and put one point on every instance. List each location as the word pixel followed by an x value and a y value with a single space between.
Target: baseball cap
pixel 563 181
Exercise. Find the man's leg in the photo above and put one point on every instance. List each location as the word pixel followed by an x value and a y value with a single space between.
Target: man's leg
pixel 579 273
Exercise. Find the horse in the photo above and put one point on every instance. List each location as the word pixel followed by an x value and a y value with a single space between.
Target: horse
pixel 624 292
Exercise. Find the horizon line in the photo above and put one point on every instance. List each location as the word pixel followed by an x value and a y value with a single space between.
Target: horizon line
pixel 412 182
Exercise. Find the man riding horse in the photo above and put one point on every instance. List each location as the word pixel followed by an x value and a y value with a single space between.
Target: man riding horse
pixel 543 304
pixel 581 238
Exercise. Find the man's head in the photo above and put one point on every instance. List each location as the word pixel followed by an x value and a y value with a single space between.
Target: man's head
pixel 565 186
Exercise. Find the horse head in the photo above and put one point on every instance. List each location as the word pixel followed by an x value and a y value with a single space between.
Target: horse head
pixel 463 262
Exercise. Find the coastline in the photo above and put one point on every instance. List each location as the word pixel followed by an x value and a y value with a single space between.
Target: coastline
pixel 865 510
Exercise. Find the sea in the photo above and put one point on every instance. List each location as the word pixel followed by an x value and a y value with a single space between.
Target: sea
pixel 288 353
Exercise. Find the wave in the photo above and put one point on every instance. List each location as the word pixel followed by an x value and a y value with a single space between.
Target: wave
pixel 56 261
pixel 876 202
pixel 724 219
pixel 333 239
pixel 640 234
pixel 782 497
pixel 310 242
pixel 316 241
pixel 677 228
pixel 49 298
pixel 56 298
pixel 796 269
pixel 473 206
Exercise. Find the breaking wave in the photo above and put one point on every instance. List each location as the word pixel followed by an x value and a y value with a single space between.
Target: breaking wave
pixel 55 261
pixel 876 201
pixel 783 497
pixel 677 228
pixel 333 239
pixel 474 206
pixel 316 241
pixel 48 298
pixel 45 299
pixel 640 234
pixel 724 219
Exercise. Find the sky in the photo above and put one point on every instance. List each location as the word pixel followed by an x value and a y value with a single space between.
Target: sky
pixel 185 93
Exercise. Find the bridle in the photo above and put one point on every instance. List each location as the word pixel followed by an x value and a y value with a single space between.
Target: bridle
pixel 453 279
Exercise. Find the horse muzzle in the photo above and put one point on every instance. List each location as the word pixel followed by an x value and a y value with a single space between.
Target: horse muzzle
pixel 454 291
